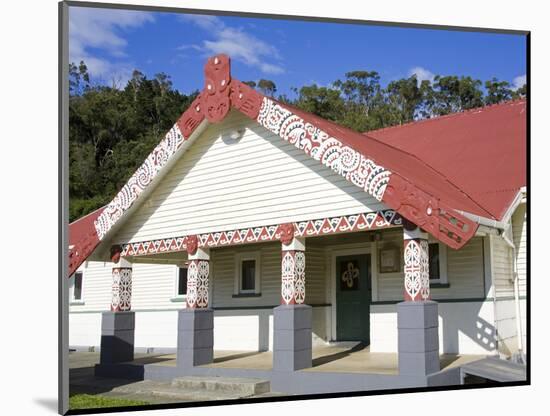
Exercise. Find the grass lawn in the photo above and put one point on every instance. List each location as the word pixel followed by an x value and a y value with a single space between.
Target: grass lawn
pixel 88 401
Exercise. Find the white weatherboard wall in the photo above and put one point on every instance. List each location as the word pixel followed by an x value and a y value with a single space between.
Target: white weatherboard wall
pixel 503 276
pixel 519 230
pixel 223 184
pixel 504 294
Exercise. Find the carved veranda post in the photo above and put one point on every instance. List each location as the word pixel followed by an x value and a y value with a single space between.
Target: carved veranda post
pixel 198 274
pixel 118 325
pixel 196 321
pixel 416 264
pixel 417 316
pixel 292 319
pixel 293 267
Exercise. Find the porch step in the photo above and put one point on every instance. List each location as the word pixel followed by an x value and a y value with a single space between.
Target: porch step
pixel 227 385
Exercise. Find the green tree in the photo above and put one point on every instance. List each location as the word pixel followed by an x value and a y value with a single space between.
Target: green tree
pixel 79 79
pixel 111 132
pixel 497 91
pixel 451 94
pixel 361 88
pixel 322 101
pixel 404 97
pixel 267 87
pixel 521 92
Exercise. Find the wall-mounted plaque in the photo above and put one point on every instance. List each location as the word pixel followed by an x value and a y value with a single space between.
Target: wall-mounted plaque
pixel 389 260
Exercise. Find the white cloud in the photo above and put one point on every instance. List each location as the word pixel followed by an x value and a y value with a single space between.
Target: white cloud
pixel 422 74
pixel 205 22
pixel 102 29
pixel 519 81
pixel 235 42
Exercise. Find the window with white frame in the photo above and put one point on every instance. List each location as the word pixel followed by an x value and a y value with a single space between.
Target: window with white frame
pixel 438 263
pixel 75 287
pixel 247 276
pixel 180 283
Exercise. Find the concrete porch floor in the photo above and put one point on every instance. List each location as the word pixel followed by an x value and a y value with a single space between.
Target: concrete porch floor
pixel 327 358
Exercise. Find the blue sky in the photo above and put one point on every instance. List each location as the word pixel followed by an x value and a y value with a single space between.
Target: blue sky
pixel 291 53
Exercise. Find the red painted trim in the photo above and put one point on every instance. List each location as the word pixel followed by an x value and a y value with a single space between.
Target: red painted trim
pixel 191 118
pixel 245 99
pixel 428 212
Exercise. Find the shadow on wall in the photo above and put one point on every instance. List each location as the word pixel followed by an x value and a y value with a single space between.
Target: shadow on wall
pixel 460 318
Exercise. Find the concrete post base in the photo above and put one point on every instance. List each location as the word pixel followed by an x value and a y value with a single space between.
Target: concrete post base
pixel 291 337
pixel 117 337
pixel 195 337
pixel 418 340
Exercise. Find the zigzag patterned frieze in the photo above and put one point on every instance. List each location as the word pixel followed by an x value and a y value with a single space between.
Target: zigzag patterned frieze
pixel 310 228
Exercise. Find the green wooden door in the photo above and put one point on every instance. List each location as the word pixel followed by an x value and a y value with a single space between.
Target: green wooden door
pixel 353 297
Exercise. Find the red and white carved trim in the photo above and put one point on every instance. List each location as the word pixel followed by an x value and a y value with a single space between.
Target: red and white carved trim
pixel 197 283
pixel 145 174
pixel 324 226
pixel 330 151
pixel 417 270
pixel 121 289
pixel 293 277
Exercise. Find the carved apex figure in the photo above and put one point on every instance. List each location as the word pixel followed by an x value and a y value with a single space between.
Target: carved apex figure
pixel 215 96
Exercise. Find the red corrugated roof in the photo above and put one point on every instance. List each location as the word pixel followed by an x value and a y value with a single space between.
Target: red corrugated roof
pixel 482 152
pixel 81 227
